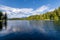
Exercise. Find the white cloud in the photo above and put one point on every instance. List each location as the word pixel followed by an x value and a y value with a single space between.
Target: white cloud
pixel 22 12
pixel 42 8
pixel 51 10
pixel 15 10
pixel 26 10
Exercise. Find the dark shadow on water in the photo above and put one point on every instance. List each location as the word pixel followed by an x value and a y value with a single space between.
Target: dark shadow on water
pixel 3 23
pixel 1 26
pixel 57 25
pixel 34 35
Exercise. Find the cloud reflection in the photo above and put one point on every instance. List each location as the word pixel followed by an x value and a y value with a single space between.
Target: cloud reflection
pixel 44 27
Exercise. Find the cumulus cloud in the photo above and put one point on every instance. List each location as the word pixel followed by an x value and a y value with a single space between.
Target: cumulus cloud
pixel 51 10
pixel 42 8
pixel 15 10
pixel 22 12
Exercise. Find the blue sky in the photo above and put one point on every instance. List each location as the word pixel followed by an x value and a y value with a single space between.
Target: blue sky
pixel 25 8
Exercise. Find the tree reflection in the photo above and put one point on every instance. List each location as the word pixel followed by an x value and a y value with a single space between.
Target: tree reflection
pixel 0 25
pixel 3 24
pixel 3 20
pixel 57 25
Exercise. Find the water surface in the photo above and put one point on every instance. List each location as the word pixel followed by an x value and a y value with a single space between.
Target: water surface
pixel 30 30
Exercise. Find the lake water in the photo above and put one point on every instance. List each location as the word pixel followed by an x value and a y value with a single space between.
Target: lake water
pixel 30 30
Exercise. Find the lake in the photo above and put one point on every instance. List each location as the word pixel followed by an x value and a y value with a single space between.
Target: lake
pixel 30 30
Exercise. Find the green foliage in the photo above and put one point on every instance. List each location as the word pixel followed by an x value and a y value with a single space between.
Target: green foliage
pixel 53 15
pixel 3 17
pixel 1 14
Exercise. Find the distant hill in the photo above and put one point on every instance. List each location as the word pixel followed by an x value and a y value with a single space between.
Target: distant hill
pixel 17 18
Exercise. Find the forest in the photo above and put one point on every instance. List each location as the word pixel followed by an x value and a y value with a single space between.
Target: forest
pixel 3 16
pixel 53 15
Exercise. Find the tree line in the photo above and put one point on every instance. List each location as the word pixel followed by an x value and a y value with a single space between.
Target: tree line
pixel 53 15
pixel 3 16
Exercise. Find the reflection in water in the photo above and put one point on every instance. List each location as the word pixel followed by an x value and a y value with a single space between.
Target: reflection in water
pixel 23 29
pixel 3 24
pixel 0 25
pixel 57 26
